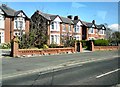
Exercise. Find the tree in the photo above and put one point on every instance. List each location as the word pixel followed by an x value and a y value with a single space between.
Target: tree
pixel 116 37
pixel 37 36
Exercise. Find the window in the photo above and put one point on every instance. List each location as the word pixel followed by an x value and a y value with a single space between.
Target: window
pixel 55 39
pixel 19 23
pixel 52 24
pixel 91 30
pixel 69 27
pixel 52 39
pixel 2 21
pixel 101 32
pixel 63 27
pixel 2 37
pixel 76 28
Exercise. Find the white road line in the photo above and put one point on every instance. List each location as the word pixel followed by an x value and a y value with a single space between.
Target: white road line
pixel 107 73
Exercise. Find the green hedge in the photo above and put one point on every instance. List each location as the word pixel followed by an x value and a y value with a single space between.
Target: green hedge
pixel 101 42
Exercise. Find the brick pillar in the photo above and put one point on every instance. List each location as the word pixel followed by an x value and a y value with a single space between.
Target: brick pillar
pixel 80 47
pixel 92 46
pixel 14 47
pixel 27 25
pixel 75 46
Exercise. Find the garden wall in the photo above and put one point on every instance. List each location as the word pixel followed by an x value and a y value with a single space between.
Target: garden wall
pixel 16 52
pixel 106 48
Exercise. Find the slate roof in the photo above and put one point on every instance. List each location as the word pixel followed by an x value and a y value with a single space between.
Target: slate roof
pixel 76 21
pixel 87 24
pixel 100 26
pixel 52 17
pixel 10 12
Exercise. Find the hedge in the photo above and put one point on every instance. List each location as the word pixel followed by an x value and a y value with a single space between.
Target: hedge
pixel 101 42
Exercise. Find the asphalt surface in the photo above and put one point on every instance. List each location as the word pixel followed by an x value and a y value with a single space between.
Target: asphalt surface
pixel 94 73
pixel 12 66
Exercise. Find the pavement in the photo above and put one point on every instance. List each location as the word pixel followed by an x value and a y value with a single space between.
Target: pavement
pixel 12 67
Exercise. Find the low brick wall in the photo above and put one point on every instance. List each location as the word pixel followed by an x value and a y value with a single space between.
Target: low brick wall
pixel 31 52
pixel 106 48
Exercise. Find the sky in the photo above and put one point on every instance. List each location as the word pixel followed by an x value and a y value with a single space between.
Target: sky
pixel 101 12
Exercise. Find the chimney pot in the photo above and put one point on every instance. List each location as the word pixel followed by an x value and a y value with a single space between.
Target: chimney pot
pixel 76 18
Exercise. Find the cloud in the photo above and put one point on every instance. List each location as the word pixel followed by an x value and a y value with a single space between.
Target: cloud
pixel 102 14
pixel 77 5
pixel 114 27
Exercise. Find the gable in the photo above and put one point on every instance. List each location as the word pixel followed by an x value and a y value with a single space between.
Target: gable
pixel 79 23
pixel 93 25
pixel 57 19
pixel 21 14
pixel 1 12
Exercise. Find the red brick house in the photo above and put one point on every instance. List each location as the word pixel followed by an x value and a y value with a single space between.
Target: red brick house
pixel 92 31
pixel 59 27
pixel 12 23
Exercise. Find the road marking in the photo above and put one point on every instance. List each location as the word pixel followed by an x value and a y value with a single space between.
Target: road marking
pixel 107 73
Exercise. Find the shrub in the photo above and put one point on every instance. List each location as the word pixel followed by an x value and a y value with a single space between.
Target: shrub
pixel 53 45
pixel 6 46
pixel 101 42
pixel 45 46
pixel 84 43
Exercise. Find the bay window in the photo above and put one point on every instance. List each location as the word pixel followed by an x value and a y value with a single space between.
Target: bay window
pixel 19 23
pixel 2 21
pixel 77 28
pixel 91 30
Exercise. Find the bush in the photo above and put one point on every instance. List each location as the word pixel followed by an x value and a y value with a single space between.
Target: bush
pixel 101 42
pixel 84 43
pixel 6 46
pixel 53 45
pixel 45 46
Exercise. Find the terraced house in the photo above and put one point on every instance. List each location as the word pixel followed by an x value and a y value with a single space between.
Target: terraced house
pixel 12 23
pixel 60 27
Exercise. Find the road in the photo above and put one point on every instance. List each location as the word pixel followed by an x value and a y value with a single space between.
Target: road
pixel 12 66
pixel 94 73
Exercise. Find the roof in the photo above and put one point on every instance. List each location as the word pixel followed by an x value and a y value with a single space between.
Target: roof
pixel 11 12
pixel 76 21
pixel 66 20
pixel 100 26
pixel 8 11
pixel 51 17
pixel 88 24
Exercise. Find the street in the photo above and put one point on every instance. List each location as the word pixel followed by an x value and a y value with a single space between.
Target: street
pixel 95 73
pixel 102 72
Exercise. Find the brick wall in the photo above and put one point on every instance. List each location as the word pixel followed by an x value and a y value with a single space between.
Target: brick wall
pixel 106 48
pixel 7 29
pixel 24 52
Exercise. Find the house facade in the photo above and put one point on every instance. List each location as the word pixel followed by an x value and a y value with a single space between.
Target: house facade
pixel 12 23
pixel 91 31
pixel 59 28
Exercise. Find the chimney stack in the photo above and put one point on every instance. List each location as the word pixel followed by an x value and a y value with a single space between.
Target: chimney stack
pixel 4 5
pixel 93 21
pixel 76 18
pixel 69 16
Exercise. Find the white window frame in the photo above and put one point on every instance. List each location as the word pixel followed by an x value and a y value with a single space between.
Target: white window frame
pixel 2 37
pixel 90 29
pixel 17 21
pixel 77 37
pixel 102 32
pixel 2 21
pixel 55 39
pixel 69 27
